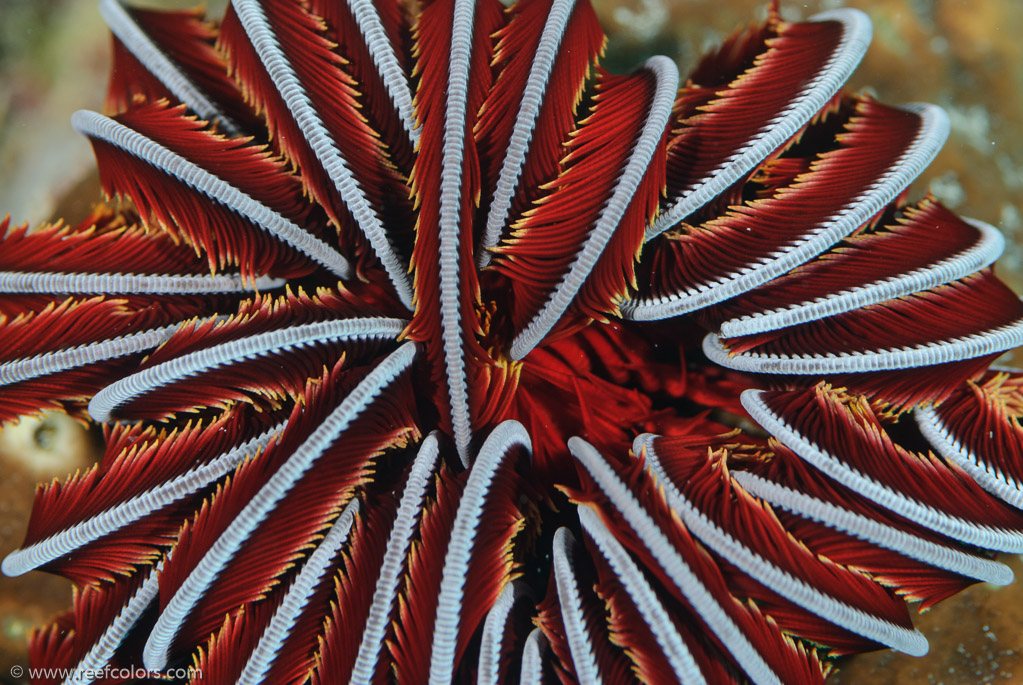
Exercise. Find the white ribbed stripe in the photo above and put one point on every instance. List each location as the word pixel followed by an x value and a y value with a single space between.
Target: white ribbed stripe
pixel 929 354
pixel 131 510
pixel 300 107
pixel 579 644
pixel 650 608
pixel 971 533
pixel 848 53
pixel 1005 486
pixel 666 74
pixel 649 533
pixel 934 127
pixel 502 440
pixel 452 158
pixel 382 53
pixel 297 598
pixel 986 250
pixel 133 284
pixel 525 123
pixel 129 388
pixel 875 532
pixel 492 641
pixel 534 653
pixel 161 66
pixel 109 131
pixel 102 651
pixel 797 591
pixel 393 564
pixel 220 553
pixel 46 363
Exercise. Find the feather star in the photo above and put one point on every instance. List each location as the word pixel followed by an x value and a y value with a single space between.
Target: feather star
pixel 426 349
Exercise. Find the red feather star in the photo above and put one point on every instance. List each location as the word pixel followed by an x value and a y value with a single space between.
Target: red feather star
pixel 426 349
